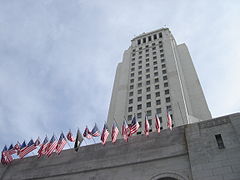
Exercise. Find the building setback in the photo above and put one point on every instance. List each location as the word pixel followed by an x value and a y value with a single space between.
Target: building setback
pixel 156 76
pixel 207 150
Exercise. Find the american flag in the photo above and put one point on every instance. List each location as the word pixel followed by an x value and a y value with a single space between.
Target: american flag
pixel 17 146
pixel 169 123
pixel 6 157
pixel 70 136
pixel 11 150
pixel 51 147
pixel 87 133
pixel 157 124
pixel 147 126
pixel 37 142
pixel 22 147
pixel 125 130
pixel 30 147
pixel 61 143
pixel 115 132
pixel 105 134
pixel 134 126
pixel 42 149
pixel 95 132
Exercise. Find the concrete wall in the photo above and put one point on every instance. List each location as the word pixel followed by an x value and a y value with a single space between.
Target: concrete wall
pixel 188 152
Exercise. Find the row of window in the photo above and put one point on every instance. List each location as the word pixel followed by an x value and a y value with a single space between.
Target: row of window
pixel 148 97
pixel 147 64
pixel 147 55
pixel 148 77
pixel 147 46
pixel 147 52
pixel 149 113
pixel 149 38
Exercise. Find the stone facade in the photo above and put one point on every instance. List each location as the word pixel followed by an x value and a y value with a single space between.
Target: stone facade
pixel 189 152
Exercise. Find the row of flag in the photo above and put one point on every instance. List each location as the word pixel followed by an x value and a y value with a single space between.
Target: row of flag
pixel 47 148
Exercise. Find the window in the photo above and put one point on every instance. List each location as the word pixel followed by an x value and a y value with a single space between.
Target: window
pixel 146 46
pixel 147 60
pixel 156 74
pixel 139 78
pixel 148 89
pixel 148 96
pixel 129 117
pixel 161 50
pixel 157 86
pixel 140 57
pixel 158 102
pixel 164 78
pixel 166 84
pixel 131 93
pixel 139 84
pixel 139 41
pixel 157 94
pixel 164 71
pixel 156 80
pixel 133 59
pixel 161 55
pixel 147 65
pixel 158 110
pixel 155 36
pixel 139 52
pixel 160 35
pixel 154 53
pixel 162 60
pixel 132 74
pixel 133 54
pixel 153 48
pixel 144 40
pixel 140 62
pixel 147 55
pixel 131 80
pixel 139 98
pixel 131 86
pixel 149 113
pixel 139 107
pixel 219 141
pixel 140 48
pixel 147 82
pixel 134 50
pixel 130 101
pixel 132 69
pixel 163 65
pixel 147 50
pixel 149 38
pixel 154 57
pixel 130 109
pixel 147 76
pixel 167 91
pixel 139 91
pixel 168 99
pixel 155 68
pixel 147 70
pixel 133 64
pixel 160 42
pixel 139 115
pixel 154 62
pixel 169 108
pixel 139 72
pixel 160 46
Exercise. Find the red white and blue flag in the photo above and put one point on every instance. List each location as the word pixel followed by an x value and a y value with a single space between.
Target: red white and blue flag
pixel 70 136
pixel 22 147
pixel 125 131
pixel 29 148
pixel 51 147
pixel 95 131
pixel 17 147
pixel 115 132
pixel 87 133
pixel 147 126
pixel 6 157
pixel 134 126
pixel 157 124
pixel 43 147
pixel 37 142
pixel 105 134
pixel 11 150
pixel 169 122
pixel 61 143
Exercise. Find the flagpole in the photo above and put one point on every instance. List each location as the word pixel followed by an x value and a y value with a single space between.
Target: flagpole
pixel 83 138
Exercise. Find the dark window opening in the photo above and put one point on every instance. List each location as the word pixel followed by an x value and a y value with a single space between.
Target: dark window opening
pixel 219 141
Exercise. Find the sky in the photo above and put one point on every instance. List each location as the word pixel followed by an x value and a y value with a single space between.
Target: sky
pixel 58 58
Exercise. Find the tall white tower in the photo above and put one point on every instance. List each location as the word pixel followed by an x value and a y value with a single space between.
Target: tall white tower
pixel 157 75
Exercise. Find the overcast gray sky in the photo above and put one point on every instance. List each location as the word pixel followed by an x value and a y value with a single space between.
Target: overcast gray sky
pixel 58 58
